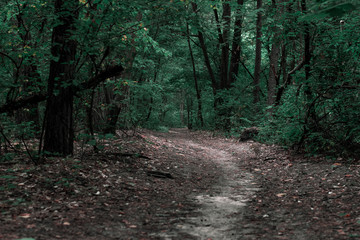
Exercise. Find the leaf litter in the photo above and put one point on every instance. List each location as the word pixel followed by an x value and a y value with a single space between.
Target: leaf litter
pixel 149 189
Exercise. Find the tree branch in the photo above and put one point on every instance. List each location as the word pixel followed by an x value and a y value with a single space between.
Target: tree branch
pixel 22 102
pixel 110 72
pixel 10 58
pixel 282 88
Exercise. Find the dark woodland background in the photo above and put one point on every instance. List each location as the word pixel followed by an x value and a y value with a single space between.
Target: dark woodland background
pixel 81 70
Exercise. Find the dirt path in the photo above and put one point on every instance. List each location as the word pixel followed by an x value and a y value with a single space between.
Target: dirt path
pixel 219 207
pixel 180 185
pixel 262 192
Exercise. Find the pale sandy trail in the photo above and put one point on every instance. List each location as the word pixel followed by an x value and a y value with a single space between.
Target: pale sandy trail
pixel 220 207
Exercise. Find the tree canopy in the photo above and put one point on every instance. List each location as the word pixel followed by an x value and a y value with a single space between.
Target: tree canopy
pixel 84 69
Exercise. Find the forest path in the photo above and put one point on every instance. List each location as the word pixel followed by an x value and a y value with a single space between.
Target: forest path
pixel 219 207
pixel 260 191
pixel 181 185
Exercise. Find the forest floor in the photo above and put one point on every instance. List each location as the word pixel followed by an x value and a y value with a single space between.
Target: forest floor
pixel 180 185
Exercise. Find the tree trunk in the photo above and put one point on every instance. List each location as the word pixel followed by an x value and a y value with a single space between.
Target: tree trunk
pixel 307 52
pixel 236 45
pixel 117 103
pixel 310 118
pixel 59 132
pixel 197 89
pixel 224 60
pixel 257 71
pixel 189 105
pixel 273 73
pixel 283 63
pixel 206 56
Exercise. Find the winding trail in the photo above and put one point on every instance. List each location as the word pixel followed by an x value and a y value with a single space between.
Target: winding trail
pixel 220 207
pixel 181 185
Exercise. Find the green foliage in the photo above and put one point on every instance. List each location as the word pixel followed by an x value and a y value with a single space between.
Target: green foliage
pixel 284 126
pixel 6 157
pixel 157 88
pixel 330 8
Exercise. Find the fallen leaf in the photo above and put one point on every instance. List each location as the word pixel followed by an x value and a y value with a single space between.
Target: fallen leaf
pixel 66 224
pixel 24 215
pixel 126 222
pixel 280 194
pixel 30 226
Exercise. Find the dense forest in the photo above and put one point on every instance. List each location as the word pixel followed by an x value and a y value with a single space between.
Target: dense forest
pixel 81 70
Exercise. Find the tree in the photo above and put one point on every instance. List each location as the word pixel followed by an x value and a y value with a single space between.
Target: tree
pixel 59 131
pixel 124 64
pixel 236 44
pixel 257 70
pixel 273 80
pixel 198 92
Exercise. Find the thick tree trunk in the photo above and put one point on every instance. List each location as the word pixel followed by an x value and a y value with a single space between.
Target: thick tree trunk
pixel 257 71
pixel 59 132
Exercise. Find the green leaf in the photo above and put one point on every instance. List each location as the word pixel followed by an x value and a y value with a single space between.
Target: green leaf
pixel 354 235
pixel 332 11
pixel 92 142
pixel 109 136
pixel 8 177
pixel 338 10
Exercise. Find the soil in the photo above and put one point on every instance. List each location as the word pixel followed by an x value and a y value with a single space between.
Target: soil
pixel 180 185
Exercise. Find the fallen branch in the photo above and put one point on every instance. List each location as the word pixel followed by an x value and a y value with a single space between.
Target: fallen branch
pixel 136 155
pixel 159 174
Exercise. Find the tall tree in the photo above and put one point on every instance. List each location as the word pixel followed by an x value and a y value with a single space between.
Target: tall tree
pixel 59 131
pixel 236 43
pixel 204 49
pixel 257 70
pixel 273 80
pixel 197 89
pixel 224 43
